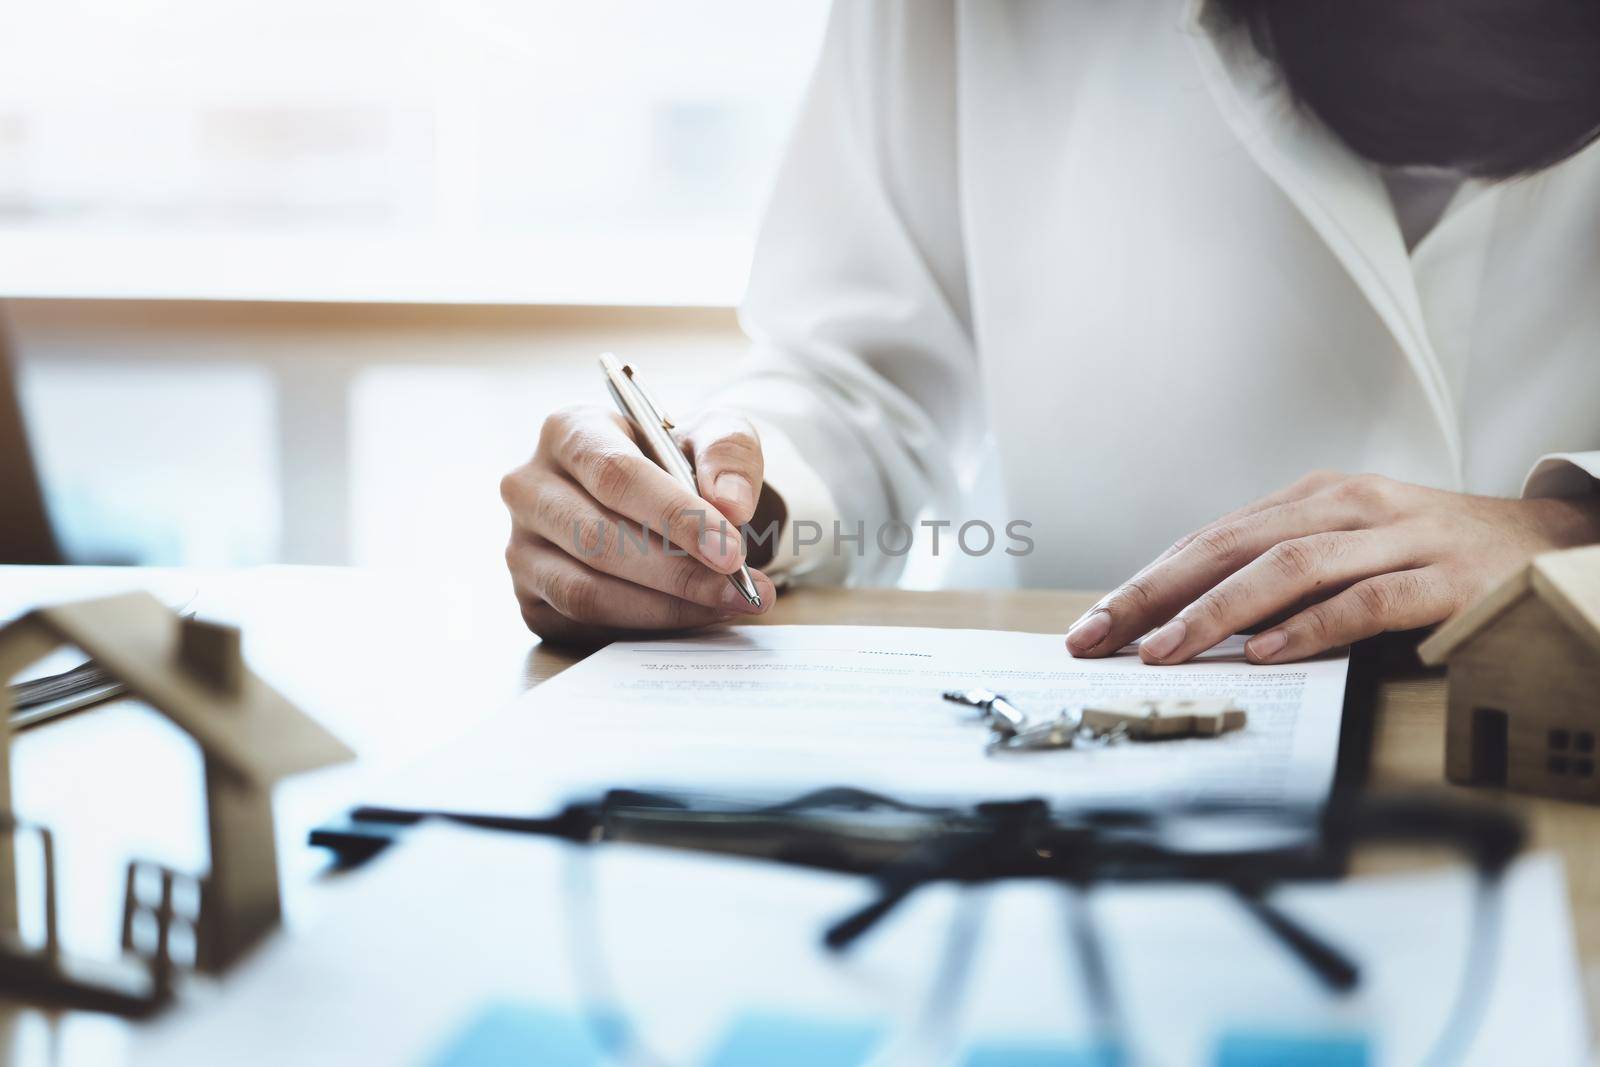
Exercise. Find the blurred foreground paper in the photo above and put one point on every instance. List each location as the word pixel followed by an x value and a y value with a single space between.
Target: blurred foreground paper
pixel 780 709
pixel 472 949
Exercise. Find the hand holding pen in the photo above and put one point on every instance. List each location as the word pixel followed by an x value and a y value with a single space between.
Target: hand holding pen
pixel 580 567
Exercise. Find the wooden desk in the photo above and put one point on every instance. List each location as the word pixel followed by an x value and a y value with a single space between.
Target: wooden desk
pixel 441 653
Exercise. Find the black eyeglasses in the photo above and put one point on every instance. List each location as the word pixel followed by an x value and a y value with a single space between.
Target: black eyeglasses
pixel 1248 853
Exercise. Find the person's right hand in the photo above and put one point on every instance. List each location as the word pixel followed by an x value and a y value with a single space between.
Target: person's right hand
pixel 578 576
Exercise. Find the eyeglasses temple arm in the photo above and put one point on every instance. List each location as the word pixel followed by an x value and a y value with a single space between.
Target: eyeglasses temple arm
pixel 1331 966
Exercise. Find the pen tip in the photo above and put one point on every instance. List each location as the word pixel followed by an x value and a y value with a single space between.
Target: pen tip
pixel 755 600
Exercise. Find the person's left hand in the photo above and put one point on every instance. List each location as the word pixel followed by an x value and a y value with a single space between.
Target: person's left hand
pixel 1357 555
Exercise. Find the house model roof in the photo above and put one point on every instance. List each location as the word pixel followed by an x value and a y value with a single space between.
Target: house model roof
pixel 239 721
pixel 1569 582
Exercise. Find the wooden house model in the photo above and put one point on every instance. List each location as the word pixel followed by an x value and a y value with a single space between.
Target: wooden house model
pixel 1524 677
pixel 193 673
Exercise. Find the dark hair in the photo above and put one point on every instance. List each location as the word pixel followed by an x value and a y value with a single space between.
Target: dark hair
pixel 1492 88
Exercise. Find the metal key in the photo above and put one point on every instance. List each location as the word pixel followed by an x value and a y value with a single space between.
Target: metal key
pixel 1003 717
pixel 1060 732
pixel 1065 731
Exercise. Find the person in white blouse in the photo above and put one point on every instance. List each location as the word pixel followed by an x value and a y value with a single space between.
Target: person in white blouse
pixel 1134 264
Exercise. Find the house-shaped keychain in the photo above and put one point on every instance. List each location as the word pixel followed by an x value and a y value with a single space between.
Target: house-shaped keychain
pixel 193 673
pixel 1524 664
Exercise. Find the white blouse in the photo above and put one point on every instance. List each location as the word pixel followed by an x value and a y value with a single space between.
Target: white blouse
pixel 1087 265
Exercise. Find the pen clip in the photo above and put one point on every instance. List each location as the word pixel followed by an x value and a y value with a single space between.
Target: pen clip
pixel 656 410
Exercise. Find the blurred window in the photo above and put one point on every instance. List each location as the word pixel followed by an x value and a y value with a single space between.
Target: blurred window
pixel 159 463
pixel 549 151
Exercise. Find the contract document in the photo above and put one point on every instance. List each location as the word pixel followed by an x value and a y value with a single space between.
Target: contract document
pixel 782 709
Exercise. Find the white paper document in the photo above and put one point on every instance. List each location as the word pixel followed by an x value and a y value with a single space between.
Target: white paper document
pixel 788 708
pixel 465 949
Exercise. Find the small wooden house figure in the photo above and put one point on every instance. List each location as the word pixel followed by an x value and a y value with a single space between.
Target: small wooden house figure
pixel 1524 708
pixel 193 673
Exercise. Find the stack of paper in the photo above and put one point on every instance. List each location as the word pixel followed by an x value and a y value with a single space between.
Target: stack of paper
pixel 41 698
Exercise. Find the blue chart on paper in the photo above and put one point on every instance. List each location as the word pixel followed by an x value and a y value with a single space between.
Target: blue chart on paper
pixel 527 1035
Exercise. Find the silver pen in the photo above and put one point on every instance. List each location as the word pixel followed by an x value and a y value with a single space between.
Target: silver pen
pixel 657 442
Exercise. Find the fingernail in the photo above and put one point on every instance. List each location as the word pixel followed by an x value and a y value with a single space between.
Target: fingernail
pixel 736 491
pixel 1165 641
pixel 733 600
pixel 1090 630
pixel 722 549
pixel 1265 646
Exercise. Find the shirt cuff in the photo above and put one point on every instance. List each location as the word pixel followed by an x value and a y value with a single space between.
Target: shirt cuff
pixel 1563 474
pixel 804 550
